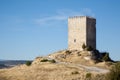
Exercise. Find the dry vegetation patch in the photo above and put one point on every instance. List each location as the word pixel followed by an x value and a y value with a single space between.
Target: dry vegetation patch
pixel 57 66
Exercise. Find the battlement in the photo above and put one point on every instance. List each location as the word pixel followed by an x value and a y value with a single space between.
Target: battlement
pixel 81 17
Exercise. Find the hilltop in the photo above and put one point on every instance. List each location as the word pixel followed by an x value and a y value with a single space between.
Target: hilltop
pixel 61 65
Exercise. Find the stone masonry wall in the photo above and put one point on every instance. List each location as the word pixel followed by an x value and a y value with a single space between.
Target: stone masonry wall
pixel 80 32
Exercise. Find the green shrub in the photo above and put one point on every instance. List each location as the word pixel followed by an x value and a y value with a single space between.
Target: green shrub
pixel 114 73
pixel 28 63
pixel 68 52
pixel 52 61
pixel 44 60
pixel 88 76
pixel 89 48
pixel 83 46
pixel 106 57
pixel 75 72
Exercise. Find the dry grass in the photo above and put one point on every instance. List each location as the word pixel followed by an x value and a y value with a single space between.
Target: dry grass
pixel 45 71
pixel 51 71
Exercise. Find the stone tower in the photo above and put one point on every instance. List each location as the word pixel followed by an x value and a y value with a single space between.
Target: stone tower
pixel 81 30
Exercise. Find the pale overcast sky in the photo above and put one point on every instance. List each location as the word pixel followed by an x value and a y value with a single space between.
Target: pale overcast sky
pixel 31 28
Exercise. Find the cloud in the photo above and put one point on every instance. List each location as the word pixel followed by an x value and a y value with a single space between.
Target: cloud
pixel 50 19
pixel 61 16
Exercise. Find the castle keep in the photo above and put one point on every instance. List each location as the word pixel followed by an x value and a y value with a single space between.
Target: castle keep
pixel 81 30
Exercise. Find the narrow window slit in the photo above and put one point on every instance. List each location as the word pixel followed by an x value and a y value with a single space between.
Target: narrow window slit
pixel 74 40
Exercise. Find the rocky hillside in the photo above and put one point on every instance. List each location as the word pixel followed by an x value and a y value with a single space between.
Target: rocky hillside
pixel 90 58
pixel 62 65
